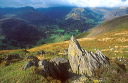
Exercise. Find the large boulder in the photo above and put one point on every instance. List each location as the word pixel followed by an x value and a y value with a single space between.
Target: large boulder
pixel 83 62
pixel 57 68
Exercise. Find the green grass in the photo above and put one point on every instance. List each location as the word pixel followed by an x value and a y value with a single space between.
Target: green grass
pixel 59 37
pixel 13 73
pixel 60 30
pixel 20 52
pixel 82 35
pixel 2 37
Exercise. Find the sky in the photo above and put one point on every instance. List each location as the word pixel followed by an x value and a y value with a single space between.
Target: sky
pixel 55 3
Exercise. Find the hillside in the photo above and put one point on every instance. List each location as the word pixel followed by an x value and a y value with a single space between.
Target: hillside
pixel 17 33
pixel 108 26
pixel 111 40
pixel 117 12
pixel 112 44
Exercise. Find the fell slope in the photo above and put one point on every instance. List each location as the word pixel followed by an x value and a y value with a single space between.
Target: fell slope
pixel 111 25
pixel 112 44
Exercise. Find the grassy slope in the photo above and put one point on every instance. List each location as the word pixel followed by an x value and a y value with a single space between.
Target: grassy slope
pixel 112 44
pixel 111 25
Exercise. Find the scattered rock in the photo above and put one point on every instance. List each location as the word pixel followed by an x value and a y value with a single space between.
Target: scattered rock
pixel 40 52
pixel 25 51
pixel 30 57
pixel 43 63
pixel 80 79
pixel 13 56
pixel 33 62
pixel 49 53
pixel 83 62
pixel 34 58
pixel 123 60
pixel 65 51
pixel 29 64
pixel 1 59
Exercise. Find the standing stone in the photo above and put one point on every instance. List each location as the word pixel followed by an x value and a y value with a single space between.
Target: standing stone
pixel 83 62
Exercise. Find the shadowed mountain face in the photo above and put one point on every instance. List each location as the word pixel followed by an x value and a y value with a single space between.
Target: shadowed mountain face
pixel 34 18
pixel 55 12
pixel 18 33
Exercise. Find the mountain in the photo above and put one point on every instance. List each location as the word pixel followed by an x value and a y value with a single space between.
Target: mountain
pixel 11 12
pixel 34 18
pixel 110 13
pixel 82 14
pixel 58 24
pixel 117 12
pixel 108 26
pixel 55 13
pixel 28 14
pixel 68 12
pixel 17 33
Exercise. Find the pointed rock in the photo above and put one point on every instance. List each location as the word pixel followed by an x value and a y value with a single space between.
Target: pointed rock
pixel 83 62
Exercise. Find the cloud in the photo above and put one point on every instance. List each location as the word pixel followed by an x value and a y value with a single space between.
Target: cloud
pixel 53 3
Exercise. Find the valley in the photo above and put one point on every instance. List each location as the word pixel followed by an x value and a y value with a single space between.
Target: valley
pixel 60 26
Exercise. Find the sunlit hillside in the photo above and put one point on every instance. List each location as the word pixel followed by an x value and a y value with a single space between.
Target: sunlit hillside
pixel 111 25
pixel 112 43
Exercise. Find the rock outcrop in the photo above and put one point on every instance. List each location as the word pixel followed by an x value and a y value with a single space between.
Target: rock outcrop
pixel 33 62
pixel 83 62
pixel 57 68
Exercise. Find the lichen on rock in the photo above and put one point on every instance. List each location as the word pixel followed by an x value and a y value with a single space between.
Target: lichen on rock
pixel 83 62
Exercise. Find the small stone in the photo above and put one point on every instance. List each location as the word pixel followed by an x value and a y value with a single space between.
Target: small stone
pixel 29 64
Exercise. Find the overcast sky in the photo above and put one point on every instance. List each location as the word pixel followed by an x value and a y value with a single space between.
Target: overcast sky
pixel 54 3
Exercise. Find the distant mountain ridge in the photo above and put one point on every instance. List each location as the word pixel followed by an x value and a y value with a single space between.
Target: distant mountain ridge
pixel 69 12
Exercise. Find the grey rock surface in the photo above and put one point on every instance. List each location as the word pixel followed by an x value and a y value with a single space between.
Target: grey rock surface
pixel 83 62
pixel 59 60
pixel 33 62
pixel 29 64
pixel 57 67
